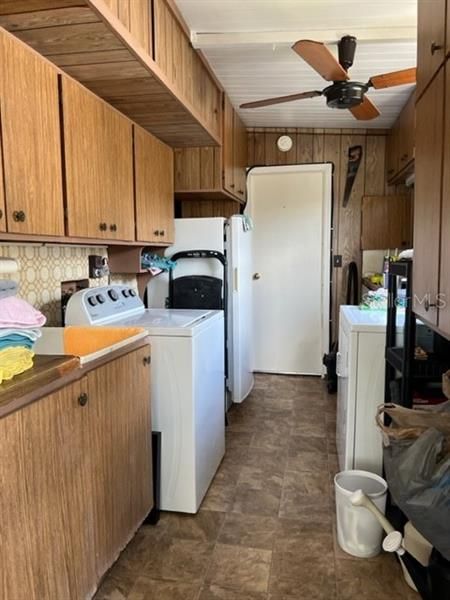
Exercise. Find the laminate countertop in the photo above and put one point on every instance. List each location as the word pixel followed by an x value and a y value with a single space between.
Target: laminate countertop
pixel 49 374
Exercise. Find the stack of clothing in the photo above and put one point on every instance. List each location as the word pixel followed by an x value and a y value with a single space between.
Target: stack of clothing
pixel 19 330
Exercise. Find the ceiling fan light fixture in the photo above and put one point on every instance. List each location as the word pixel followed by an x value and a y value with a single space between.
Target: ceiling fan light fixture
pixel 345 94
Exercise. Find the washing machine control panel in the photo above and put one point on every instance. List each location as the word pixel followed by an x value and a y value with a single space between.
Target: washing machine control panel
pixel 100 306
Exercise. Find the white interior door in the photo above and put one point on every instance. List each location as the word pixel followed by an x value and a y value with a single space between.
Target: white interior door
pixel 291 210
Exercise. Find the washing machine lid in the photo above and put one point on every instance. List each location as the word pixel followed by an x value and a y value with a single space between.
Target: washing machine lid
pixel 171 322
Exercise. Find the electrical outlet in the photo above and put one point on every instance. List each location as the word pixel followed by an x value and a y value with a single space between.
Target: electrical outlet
pixel 98 266
pixel 337 261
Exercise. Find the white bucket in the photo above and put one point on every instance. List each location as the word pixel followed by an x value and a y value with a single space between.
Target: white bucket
pixel 358 531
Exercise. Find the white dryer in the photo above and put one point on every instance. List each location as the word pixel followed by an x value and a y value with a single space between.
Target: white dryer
pixel 188 385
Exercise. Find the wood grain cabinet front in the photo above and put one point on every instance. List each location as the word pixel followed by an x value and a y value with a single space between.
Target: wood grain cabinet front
pixel 431 40
pixel 46 509
pixel 98 150
pixel 76 474
pixel 30 131
pixel 427 199
pixel 154 189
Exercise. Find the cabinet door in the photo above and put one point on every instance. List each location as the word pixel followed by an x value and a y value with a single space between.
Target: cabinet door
pixel 120 447
pixel 2 192
pixel 240 157
pixel 430 40
pixel 392 153
pixel 30 126
pixel 406 132
pixel 154 188
pixel 444 286
pixel 46 516
pixel 386 222
pixel 99 166
pixel 228 147
pixel 427 203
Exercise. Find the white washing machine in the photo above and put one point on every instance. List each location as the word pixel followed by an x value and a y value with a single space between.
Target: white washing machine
pixel 360 368
pixel 188 385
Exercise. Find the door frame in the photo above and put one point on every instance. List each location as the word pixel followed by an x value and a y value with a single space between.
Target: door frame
pixel 327 233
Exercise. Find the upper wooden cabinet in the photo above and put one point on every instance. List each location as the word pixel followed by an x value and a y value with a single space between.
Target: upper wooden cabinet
pixel 427 204
pixel 431 40
pixel 30 131
pixel 401 144
pixel 136 15
pixel 99 166
pixel 183 67
pixel 2 192
pixel 215 173
pixel 154 189
pixel 386 222
pixel 444 282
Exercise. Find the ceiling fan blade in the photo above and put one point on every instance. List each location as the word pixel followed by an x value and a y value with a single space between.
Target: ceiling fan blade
pixel 365 111
pixel 280 99
pixel 321 59
pixel 387 80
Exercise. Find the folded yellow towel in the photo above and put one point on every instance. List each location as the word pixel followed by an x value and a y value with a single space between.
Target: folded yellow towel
pixel 81 341
pixel 14 361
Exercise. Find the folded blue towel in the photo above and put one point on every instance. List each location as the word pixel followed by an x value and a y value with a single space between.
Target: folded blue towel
pixel 16 340
pixel 32 334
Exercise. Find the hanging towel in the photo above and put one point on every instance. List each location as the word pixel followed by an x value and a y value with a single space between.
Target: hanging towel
pixel 32 334
pixel 15 312
pixel 16 340
pixel 14 361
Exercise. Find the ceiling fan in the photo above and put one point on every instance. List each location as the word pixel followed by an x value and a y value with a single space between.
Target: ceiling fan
pixel 342 93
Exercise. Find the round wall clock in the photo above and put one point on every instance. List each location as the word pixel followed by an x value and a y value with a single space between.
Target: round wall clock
pixel 284 143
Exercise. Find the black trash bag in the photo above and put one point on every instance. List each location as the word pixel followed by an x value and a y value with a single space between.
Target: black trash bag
pixel 418 476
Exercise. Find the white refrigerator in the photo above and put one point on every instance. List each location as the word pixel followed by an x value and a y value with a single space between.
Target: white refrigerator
pixel 232 237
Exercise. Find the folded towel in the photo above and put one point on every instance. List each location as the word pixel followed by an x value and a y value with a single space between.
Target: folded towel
pixel 15 312
pixel 14 340
pixel 81 341
pixel 14 361
pixel 31 334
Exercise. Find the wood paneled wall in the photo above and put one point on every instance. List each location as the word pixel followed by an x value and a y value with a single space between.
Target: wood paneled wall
pixel 332 145
pixel 189 209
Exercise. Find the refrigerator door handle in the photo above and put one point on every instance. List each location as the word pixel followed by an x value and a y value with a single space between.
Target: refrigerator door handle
pixel 235 279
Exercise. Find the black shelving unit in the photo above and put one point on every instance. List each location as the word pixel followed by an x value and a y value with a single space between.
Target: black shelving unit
pixel 400 359
pixel 404 372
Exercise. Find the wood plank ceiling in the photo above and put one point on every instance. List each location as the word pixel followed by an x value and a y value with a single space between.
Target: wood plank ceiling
pixel 88 42
pixel 247 43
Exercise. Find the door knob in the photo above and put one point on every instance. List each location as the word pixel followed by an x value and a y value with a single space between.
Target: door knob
pixel 435 47
pixel 256 275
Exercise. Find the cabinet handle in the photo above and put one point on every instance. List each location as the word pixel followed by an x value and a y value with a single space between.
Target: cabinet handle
pixel 429 305
pixel 1 214
pixel 83 399
pixel 391 171
pixel 113 227
pixel 241 192
pixel 435 47
pixel 102 226
pixel 156 232
pixel 147 360
pixel 232 185
pixel 161 232
pixel 19 216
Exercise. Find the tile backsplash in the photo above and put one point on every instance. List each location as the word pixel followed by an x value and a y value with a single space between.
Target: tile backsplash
pixel 42 268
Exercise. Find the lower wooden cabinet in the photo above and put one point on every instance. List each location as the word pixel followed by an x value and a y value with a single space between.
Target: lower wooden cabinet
pixel 2 194
pixel 154 183
pixel 76 481
pixel 427 199
pixel 120 451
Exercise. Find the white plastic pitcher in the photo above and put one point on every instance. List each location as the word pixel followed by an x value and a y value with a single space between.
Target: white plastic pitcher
pixel 358 531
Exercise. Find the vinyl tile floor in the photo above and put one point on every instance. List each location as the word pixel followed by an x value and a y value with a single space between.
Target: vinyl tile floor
pixel 266 528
